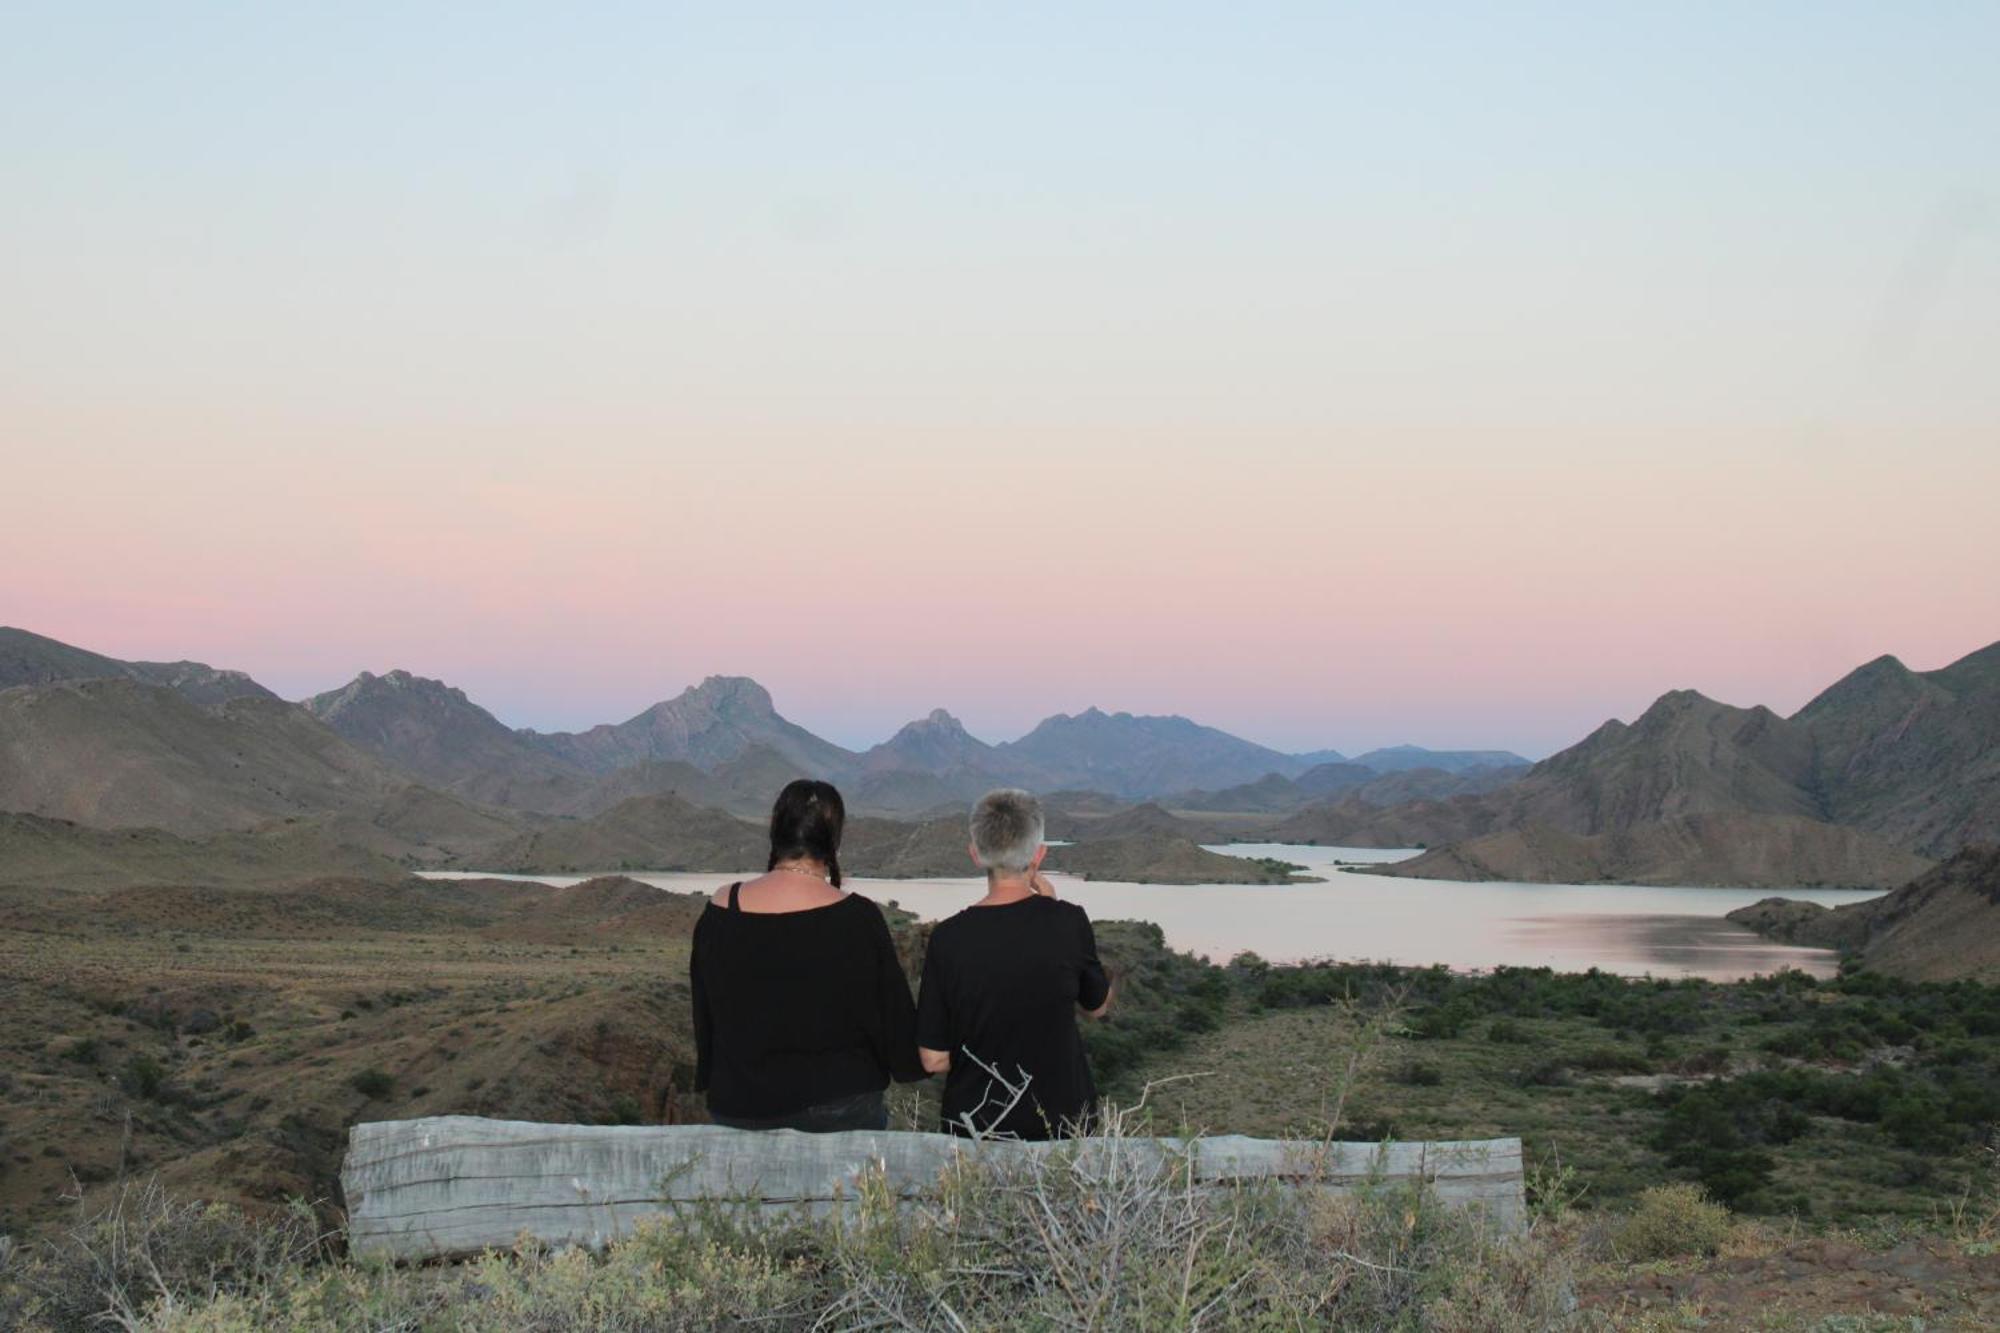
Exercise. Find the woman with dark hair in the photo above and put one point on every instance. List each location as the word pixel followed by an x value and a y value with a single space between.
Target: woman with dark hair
pixel 802 1014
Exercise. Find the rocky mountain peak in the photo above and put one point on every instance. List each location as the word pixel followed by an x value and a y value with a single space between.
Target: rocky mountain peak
pixel 730 695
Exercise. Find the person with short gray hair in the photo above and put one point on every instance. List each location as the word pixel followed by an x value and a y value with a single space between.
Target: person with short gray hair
pixel 1003 982
pixel 1007 828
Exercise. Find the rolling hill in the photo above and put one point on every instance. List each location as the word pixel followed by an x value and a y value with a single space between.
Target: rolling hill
pixel 1400 758
pixel 1913 756
pixel 433 732
pixel 657 833
pixel 1129 755
pixel 55 854
pixel 31 659
pixel 1941 926
pixel 1755 851
pixel 1910 760
pixel 115 753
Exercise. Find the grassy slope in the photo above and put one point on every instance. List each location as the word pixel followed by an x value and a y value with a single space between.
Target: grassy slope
pixel 1840 1100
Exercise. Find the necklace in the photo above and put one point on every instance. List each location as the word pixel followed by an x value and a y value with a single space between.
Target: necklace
pixel 796 870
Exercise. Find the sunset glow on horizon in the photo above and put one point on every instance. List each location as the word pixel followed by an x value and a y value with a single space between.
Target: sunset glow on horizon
pixel 1336 381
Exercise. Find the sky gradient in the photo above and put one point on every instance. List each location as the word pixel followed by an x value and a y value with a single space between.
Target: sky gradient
pixel 1338 376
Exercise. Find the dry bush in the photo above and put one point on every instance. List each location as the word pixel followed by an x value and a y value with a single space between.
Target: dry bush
pixel 145 1250
pixel 1672 1221
pixel 1096 1234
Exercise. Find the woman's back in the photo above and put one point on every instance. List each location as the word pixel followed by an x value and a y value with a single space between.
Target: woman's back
pixel 796 1009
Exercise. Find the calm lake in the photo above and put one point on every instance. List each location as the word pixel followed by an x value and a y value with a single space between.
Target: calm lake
pixel 1572 927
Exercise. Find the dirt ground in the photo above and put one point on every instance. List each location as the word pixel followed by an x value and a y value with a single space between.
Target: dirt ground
pixel 1928 1283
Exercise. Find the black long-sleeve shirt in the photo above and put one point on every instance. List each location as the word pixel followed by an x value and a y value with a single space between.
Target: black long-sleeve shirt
pixel 1003 984
pixel 792 1009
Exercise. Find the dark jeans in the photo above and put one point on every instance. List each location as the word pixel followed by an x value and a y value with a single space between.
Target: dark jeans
pixel 864 1110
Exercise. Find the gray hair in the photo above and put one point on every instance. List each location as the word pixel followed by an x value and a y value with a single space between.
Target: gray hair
pixel 1007 829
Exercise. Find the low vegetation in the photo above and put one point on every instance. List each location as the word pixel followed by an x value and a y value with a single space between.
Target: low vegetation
pixel 1672 1222
pixel 220 1042
pixel 1856 1097
pixel 1066 1241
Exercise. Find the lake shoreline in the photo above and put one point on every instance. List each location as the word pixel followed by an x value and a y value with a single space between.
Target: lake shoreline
pixel 1350 915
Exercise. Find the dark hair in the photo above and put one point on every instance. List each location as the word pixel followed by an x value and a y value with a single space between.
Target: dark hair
pixel 806 822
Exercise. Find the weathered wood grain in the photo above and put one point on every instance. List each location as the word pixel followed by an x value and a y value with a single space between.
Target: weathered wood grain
pixel 452 1185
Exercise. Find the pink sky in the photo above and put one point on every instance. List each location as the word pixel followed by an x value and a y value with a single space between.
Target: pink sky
pixel 1334 588
pixel 1339 376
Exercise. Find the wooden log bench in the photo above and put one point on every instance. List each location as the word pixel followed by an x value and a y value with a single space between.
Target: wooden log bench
pixel 445 1186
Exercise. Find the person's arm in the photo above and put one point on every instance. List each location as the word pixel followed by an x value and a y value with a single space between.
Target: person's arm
pixel 934 1039
pixel 1110 993
pixel 898 1016
pixel 1095 983
pixel 704 1038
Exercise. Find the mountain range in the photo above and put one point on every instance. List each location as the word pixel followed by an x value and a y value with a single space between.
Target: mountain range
pixel 30 659
pixel 1883 772
pixel 1885 764
pixel 723 742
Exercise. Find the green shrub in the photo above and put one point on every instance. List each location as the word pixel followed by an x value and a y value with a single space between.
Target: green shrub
pixel 1611 1060
pixel 1549 1073
pixel 1672 1221
pixel 372 1083
pixel 144 1077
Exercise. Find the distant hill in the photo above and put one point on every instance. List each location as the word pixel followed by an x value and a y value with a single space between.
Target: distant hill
pixel 1355 822
pixel 744 786
pixel 1398 758
pixel 902 792
pixel 644 833
pixel 114 753
pixel 1433 784
pixel 1942 926
pixel 938 743
pixel 1129 755
pixel 57 854
pixel 432 731
pixel 1756 851
pixel 1155 858
pixel 1910 759
pixel 1312 757
pixel 31 659
pixel 1914 756
pixel 664 833
pixel 1686 755
pixel 893 849
pixel 1274 793
pixel 1145 819
pixel 705 725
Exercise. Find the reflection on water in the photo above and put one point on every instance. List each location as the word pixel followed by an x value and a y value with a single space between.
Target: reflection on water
pixel 1668 946
pixel 1571 927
